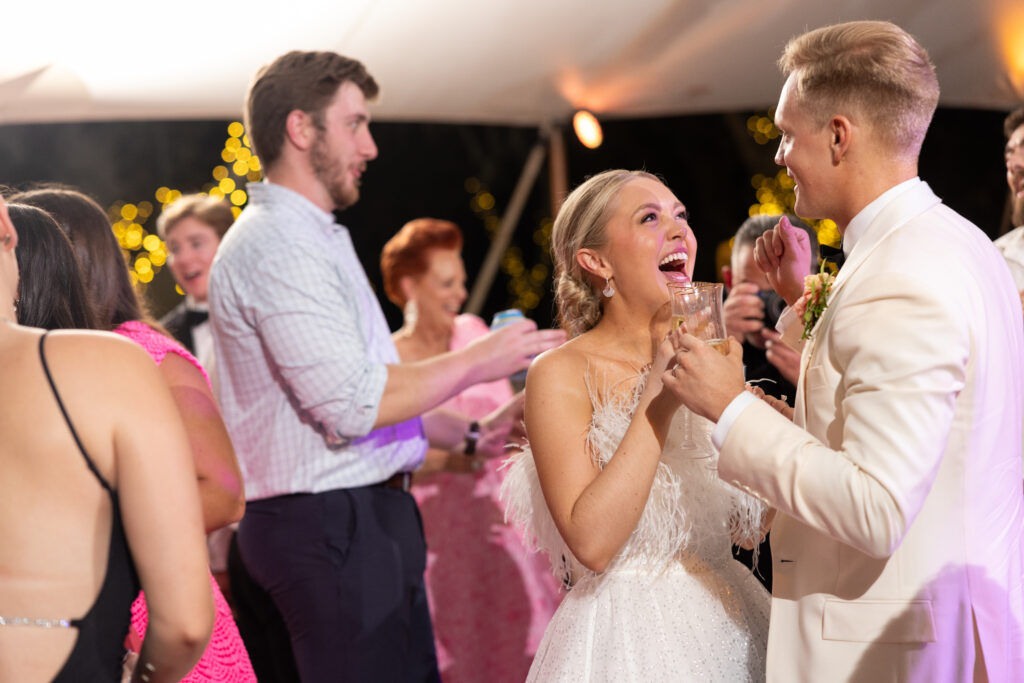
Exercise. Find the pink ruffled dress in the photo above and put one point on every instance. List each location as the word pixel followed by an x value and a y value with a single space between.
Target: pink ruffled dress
pixel 490 598
pixel 225 658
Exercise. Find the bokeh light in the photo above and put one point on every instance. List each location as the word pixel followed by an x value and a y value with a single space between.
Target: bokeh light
pixel 128 220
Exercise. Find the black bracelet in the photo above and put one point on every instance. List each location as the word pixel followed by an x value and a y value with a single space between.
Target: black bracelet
pixel 472 436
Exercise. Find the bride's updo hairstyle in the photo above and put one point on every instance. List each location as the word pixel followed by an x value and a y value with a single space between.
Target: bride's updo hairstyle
pixel 581 225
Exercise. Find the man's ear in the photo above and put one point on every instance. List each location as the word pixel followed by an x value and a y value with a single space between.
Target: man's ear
pixel 299 129
pixel 593 262
pixel 841 135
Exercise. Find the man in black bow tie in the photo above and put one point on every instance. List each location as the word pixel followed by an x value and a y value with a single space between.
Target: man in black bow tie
pixel 834 255
pixel 192 227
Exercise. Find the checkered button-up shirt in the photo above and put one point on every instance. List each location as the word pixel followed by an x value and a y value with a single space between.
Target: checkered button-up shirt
pixel 302 350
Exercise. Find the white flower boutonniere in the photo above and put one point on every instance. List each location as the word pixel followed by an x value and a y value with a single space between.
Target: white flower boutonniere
pixel 811 305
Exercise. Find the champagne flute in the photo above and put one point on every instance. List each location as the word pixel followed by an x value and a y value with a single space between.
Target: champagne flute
pixel 698 306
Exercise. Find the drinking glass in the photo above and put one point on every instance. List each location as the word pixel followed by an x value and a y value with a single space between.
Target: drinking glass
pixel 698 305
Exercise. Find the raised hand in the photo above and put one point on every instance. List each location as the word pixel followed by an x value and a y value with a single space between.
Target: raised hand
pixel 784 254
pixel 743 311
pixel 500 427
pixel 508 350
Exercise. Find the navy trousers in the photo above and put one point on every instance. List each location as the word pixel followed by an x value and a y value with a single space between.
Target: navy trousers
pixel 345 569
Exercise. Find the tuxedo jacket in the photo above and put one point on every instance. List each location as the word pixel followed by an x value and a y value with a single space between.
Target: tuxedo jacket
pixel 897 545
pixel 174 322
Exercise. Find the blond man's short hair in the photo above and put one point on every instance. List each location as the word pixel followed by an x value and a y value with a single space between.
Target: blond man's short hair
pixel 871 70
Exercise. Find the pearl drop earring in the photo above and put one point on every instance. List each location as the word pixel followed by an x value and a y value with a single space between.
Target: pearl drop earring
pixel 608 290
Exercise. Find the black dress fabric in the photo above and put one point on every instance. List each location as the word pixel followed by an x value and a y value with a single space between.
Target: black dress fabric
pixel 99 647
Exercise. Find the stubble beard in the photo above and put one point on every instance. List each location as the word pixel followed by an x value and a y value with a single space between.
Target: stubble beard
pixel 331 175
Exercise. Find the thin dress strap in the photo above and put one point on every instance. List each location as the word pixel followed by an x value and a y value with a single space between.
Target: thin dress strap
pixel 67 418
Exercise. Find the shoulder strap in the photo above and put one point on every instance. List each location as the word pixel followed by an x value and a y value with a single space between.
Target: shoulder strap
pixel 67 418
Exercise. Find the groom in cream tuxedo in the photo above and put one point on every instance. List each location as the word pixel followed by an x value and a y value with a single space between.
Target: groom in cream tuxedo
pixel 897 539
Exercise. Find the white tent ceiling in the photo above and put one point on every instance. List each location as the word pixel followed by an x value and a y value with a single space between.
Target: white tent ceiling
pixel 490 61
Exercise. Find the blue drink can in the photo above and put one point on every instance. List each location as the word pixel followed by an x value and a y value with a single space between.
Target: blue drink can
pixel 504 319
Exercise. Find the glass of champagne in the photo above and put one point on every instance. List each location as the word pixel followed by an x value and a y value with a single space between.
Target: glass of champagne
pixel 698 306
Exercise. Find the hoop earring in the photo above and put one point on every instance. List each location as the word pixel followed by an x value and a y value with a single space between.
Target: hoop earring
pixel 608 290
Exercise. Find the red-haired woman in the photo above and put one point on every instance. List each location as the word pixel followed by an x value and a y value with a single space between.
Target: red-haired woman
pixel 490 601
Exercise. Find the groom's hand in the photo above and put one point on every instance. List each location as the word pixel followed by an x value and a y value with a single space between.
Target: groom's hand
pixel 784 254
pixel 704 379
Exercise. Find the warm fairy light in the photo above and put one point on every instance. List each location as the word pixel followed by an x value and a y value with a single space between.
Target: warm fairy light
pixel 588 130
pixel 775 196
pixel 129 212
pixel 762 128
pixel 127 220
pixel 133 237
pixel 526 285
pixel 483 201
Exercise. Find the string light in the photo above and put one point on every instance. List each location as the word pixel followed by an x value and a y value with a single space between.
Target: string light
pixel 775 194
pixel 525 284
pixel 144 251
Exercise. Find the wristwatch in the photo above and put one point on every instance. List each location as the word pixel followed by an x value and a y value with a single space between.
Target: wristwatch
pixel 472 436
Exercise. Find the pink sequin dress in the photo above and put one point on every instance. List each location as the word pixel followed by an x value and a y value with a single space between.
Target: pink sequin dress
pixel 490 599
pixel 225 658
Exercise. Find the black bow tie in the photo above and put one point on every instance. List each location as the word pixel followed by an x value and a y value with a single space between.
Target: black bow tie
pixel 194 318
pixel 834 255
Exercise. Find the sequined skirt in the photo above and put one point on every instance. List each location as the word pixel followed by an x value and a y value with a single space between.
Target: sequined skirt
pixel 674 624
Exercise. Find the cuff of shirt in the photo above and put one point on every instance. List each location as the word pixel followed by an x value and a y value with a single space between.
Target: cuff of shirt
pixel 729 415
pixel 359 416
pixel 786 319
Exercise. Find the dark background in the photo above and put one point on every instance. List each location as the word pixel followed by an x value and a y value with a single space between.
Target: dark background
pixel 708 160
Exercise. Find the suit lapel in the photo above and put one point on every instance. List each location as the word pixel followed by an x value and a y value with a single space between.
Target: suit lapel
pixel 895 215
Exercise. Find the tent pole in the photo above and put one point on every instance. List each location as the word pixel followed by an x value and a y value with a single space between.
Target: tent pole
pixel 558 169
pixel 489 269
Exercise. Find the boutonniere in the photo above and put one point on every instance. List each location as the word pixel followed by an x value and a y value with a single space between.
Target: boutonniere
pixel 811 305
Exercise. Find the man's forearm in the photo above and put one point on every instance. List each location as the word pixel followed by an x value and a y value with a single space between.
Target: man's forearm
pixel 413 389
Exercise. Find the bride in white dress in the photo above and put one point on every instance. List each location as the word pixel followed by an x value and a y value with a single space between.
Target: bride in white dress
pixel 637 527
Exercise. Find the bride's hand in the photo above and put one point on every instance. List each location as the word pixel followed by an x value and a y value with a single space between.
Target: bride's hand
pixel 664 358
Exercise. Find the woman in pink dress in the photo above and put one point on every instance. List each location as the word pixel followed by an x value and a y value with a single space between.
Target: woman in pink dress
pixel 490 600
pixel 118 308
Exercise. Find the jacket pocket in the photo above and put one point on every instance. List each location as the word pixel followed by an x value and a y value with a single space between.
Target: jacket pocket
pixel 883 621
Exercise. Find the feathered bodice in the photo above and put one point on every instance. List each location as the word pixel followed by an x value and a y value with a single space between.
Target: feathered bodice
pixel 691 516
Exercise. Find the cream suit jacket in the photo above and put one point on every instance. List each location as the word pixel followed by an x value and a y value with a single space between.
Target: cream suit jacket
pixel 899 487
